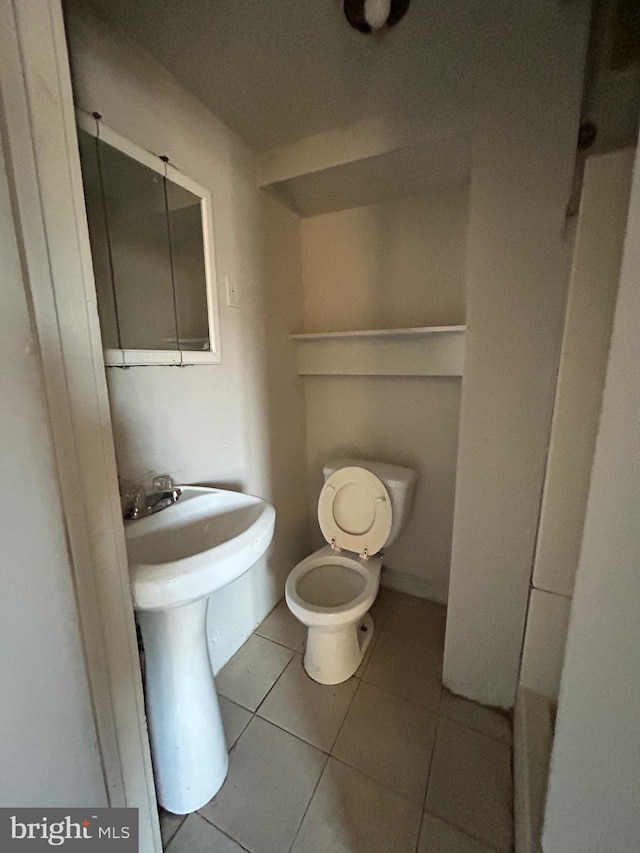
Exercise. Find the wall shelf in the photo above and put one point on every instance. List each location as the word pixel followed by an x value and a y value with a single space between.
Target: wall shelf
pixel 420 351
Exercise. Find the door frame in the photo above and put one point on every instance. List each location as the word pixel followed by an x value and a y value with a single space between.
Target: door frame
pixel 38 126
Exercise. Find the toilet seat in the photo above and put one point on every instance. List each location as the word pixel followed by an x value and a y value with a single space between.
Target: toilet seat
pixel 326 613
pixel 354 511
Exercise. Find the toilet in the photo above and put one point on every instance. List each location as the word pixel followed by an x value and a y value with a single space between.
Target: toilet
pixel 362 507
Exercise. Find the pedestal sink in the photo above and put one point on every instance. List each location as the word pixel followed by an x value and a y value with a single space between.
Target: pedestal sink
pixel 178 558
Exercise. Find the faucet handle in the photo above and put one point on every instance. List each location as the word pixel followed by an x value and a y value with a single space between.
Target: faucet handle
pixel 162 483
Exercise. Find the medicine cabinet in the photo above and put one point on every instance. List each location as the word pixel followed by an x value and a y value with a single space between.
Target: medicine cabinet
pixel 151 235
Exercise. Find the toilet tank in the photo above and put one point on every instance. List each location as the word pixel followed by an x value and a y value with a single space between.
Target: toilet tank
pixel 398 481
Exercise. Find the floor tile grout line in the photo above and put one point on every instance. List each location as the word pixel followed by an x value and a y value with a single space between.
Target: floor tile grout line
pixel 292 734
pixel 464 831
pixel 264 698
pixel 421 822
pixel 235 743
pixel 440 716
pixel 403 698
pixel 426 787
pixel 360 679
pixel 433 752
pixel 355 693
pixel 399 695
pixel 297 650
pixel 235 702
pixel 270 613
pixel 249 711
pixel 244 728
pixel 478 731
pixel 308 806
pixel 299 737
pixel 270 722
pixel 359 770
pixel 255 710
pixel 173 834
pixel 330 753
pixel 377 782
pixel 489 845
pixel 222 832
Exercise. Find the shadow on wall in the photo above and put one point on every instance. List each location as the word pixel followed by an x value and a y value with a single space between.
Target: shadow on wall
pixel 285 446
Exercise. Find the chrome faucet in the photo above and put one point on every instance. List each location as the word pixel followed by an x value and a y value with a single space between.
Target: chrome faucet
pixel 140 503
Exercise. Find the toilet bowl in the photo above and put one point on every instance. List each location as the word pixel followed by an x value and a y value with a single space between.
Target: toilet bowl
pixel 362 507
pixel 331 593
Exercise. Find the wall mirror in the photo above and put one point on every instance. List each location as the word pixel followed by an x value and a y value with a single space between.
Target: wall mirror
pixel 151 235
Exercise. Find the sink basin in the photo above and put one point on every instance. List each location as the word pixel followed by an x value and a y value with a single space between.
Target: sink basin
pixel 204 541
pixel 178 558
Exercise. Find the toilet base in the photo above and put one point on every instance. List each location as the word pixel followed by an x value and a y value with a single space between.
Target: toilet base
pixel 332 657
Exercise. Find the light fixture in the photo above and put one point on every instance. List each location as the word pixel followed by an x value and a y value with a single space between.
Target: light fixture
pixel 368 15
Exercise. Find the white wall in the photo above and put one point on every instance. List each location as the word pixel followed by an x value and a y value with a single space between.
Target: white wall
pixel 527 111
pixel 230 424
pixel 544 642
pixel 389 265
pixel 48 748
pixel 585 348
pixel 592 803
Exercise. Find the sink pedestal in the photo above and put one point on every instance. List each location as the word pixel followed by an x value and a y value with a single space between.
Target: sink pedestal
pixel 177 559
pixel 190 759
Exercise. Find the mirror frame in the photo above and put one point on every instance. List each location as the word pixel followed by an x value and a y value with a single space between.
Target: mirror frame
pixel 141 357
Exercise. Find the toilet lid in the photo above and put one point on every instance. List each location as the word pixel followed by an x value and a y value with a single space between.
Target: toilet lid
pixel 354 511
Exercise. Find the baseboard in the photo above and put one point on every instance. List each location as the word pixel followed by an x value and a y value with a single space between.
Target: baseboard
pixel 412 585
pixel 532 742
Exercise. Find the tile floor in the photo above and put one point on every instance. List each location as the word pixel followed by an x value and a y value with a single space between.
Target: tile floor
pixel 387 762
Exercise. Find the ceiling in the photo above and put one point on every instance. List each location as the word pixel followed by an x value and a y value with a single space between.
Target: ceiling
pixel 277 71
pixel 340 119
